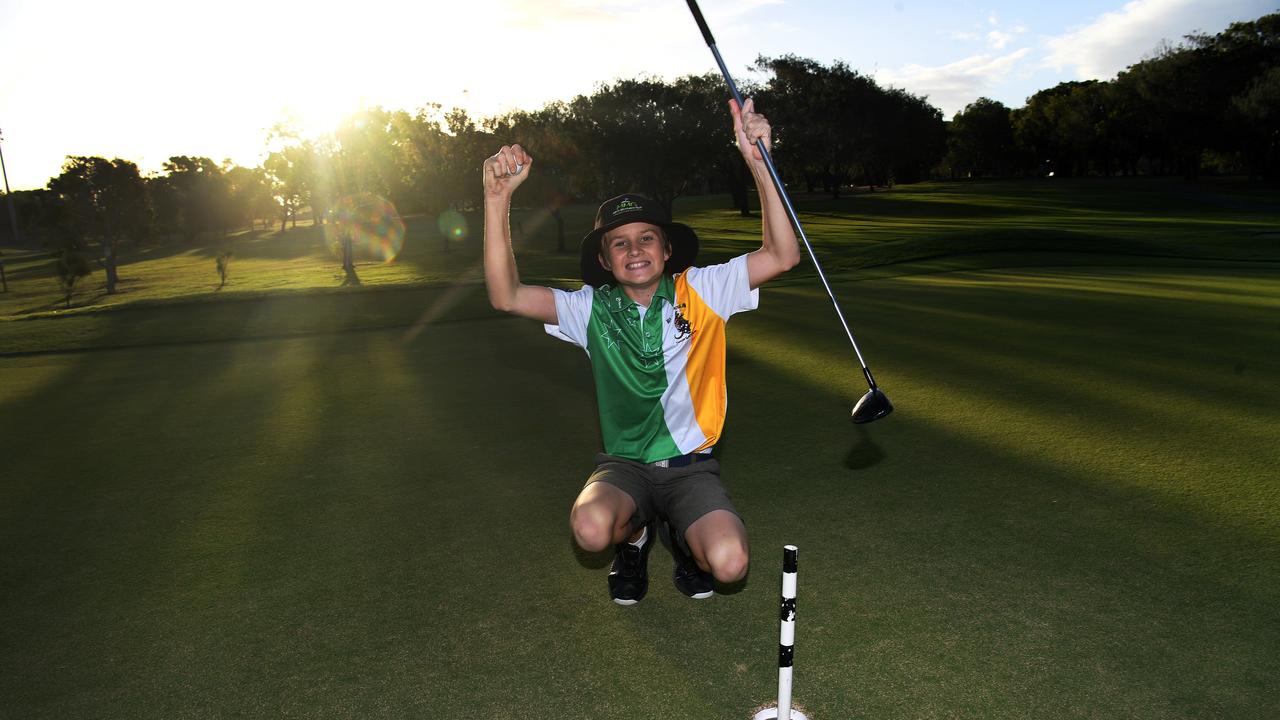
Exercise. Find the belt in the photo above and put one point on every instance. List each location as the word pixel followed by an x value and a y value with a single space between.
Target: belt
pixel 682 460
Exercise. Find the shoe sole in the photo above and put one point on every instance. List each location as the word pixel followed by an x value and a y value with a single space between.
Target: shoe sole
pixel 702 596
pixel 625 602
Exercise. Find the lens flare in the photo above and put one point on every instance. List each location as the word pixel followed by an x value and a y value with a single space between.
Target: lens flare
pixel 452 225
pixel 372 223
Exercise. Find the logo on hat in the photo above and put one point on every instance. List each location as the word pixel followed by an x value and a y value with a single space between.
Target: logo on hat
pixel 625 206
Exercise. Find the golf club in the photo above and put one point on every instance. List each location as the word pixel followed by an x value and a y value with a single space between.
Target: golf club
pixel 874 404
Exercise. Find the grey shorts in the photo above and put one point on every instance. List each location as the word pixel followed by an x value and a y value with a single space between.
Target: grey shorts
pixel 681 495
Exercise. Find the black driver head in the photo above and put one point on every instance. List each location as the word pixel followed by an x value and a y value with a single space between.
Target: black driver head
pixel 872 406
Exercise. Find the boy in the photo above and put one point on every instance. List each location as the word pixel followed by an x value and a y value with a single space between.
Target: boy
pixel 653 325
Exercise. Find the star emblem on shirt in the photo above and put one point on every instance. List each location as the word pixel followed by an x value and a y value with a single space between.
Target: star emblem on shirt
pixel 608 336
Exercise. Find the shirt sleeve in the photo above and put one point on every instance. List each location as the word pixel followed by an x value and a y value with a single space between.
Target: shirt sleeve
pixel 573 311
pixel 725 288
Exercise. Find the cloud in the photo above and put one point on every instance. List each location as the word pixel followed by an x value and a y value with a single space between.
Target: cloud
pixel 998 40
pixel 1118 39
pixel 990 32
pixel 954 85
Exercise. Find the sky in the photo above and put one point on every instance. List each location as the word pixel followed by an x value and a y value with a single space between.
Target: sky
pixel 147 79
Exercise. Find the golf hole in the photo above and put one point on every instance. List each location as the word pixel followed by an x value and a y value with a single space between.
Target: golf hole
pixel 770 712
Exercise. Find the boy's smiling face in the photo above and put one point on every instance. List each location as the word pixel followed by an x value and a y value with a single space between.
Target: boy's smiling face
pixel 635 253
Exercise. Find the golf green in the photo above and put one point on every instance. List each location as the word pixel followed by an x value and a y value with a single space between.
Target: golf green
pixel 1072 512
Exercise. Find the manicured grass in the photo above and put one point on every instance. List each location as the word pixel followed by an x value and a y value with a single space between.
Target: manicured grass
pixel 354 504
pixel 946 223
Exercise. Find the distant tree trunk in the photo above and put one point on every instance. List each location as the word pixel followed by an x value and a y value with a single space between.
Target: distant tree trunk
pixel 224 267
pixel 555 214
pixel 1191 165
pixel 833 184
pixel 666 200
pixel 348 262
pixel 109 261
pixel 109 258
pixel 735 178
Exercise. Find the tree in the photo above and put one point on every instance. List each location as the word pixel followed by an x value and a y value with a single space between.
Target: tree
pixel 250 196
pixel 706 98
pixel 71 267
pixel 299 173
pixel 223 263
pixel 1257 112
pixel 1242 64
pixel 366 155
pixel 980 140
pixel 423 149
pixel 289 171
pixel 1174 90
pixel 643 136
pixel 827 115
pixel 842 127
pixel 911 135
pixel 105 200
pixel 466 143
pixel 547 135
pixel 202 193
pixel 1063 129
pixel 1186 94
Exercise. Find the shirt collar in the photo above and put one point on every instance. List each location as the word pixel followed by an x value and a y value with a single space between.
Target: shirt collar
pixel 617 300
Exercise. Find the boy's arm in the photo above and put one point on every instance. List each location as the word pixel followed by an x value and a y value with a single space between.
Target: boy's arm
pixel 779 250
pixel 503 173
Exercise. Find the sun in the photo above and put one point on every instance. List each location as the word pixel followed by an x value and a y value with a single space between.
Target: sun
pixel 319 114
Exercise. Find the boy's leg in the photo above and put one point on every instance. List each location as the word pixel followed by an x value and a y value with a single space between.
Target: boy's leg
pixel 601 517
pixel 700 510
pixel 718 542
pixel 614 509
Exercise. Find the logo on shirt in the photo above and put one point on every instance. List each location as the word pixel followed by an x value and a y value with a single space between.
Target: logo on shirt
pixel 683 328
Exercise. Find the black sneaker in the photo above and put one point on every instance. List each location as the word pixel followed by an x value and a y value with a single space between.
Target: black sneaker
pixel 691 580
pixel 629 574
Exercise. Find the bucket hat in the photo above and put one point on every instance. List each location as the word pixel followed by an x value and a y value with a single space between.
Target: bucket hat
pixel 630 208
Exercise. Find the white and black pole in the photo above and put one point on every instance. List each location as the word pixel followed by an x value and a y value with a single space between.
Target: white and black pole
pixel 786 641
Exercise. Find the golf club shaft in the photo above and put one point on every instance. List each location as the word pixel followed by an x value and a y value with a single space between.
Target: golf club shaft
pixel 782 191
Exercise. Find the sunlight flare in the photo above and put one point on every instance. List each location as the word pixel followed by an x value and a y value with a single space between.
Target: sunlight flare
pixel 372 224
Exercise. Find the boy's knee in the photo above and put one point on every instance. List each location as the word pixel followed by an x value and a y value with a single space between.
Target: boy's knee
pixel 729 562
pixel 592 528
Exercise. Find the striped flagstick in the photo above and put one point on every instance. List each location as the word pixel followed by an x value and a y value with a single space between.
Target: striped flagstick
pixel 786 641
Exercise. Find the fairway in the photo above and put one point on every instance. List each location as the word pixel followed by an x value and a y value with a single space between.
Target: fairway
pixel 1072 512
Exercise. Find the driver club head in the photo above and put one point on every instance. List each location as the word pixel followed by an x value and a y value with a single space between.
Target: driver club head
pixel 872 406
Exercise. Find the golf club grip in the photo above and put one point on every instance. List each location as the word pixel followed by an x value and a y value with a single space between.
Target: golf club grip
pixel 702 23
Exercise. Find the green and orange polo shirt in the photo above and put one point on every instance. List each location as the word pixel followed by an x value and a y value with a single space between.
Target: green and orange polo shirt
pixel 659 371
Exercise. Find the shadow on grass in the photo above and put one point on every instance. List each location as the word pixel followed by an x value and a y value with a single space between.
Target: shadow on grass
pixel 367 522
pixel 866 452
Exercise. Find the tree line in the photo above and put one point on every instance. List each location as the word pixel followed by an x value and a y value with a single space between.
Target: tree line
pixel 1211 103
pixel 663 138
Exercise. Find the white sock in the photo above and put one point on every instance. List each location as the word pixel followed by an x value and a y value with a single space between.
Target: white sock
pixel 644 537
